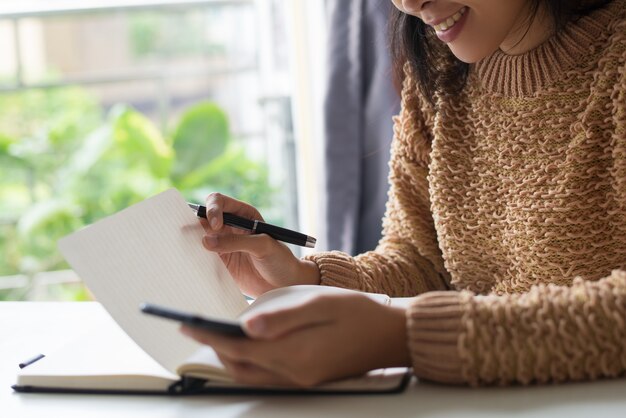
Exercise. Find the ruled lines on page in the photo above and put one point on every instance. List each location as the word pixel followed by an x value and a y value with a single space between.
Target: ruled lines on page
pixel 152 252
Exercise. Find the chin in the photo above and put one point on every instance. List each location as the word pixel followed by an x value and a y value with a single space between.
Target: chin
pixel 470 55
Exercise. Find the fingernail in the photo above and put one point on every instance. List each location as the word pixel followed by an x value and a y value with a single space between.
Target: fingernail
pixel 256 326
pixel 214 223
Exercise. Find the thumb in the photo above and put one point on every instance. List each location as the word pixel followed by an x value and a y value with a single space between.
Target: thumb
pixel 272 325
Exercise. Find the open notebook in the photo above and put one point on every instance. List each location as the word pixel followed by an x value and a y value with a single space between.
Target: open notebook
pixel 152 252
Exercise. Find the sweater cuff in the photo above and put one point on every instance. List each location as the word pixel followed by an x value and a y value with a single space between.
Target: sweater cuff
pixel 336 269
pixel 434 324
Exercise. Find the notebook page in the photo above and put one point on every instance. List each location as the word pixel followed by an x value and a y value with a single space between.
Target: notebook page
pixel 152 252
pixel 103 358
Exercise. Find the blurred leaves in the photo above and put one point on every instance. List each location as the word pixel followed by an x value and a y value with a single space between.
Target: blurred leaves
pixel 202 121
pixel 38 229
pixel 69 165
pixel 136 137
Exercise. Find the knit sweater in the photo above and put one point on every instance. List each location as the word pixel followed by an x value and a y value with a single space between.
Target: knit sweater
pixel 507 215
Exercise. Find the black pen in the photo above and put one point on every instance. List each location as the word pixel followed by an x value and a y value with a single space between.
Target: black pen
pixel 30 361
pixel 259 227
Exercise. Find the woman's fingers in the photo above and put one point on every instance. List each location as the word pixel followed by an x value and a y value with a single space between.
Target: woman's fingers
pixel 251 374
pixel 327 337
pixel 242 350
pixel 257 245
pixel 261 362
pixel 272 325
pixel 267 326
pixel 217 203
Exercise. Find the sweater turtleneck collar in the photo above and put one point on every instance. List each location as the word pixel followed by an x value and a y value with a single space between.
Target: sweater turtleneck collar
pixel 578 42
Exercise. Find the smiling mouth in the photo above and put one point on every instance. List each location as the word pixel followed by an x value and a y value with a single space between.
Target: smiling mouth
pixel 451 21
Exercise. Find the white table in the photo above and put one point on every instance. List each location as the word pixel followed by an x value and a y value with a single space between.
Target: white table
pixel 27 328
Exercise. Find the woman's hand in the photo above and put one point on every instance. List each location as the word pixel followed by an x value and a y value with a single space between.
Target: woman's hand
pixel 256 261
pixel 328 338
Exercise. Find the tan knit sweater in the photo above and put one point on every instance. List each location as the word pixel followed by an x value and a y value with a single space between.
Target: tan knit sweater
pixel 508 206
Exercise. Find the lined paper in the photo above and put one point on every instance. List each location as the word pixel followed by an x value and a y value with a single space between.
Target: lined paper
pixel 152 252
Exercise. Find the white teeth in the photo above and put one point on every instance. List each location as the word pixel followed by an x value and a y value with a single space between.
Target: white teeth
pixel 449 22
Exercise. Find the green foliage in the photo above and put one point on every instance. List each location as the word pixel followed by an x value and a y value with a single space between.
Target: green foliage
pixel 38 229
pixel 65 165
pixel 144 34
pixel 171 35
pixel 136 137
pixel 201 122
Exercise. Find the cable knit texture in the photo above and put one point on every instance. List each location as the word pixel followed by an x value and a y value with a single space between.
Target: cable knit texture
pixel 507 215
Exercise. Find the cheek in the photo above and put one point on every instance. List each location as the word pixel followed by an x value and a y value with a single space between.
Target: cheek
pixel 407 6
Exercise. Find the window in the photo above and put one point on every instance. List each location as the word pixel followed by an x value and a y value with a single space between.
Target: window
pixel 105 103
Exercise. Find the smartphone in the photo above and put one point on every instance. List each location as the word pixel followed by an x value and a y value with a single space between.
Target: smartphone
pixel 229 328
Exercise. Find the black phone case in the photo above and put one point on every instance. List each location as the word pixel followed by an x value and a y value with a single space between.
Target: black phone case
pixel 221 327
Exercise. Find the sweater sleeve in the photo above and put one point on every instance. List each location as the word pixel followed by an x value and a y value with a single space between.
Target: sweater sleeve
pixel 407 260
pixel 549 334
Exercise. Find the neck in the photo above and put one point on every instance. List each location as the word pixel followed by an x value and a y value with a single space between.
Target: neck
pixel 525 37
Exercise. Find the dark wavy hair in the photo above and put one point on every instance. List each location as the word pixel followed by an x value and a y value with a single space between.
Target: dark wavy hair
pixel 435 67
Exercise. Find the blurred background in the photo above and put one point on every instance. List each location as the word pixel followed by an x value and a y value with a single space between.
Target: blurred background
pixel 106 102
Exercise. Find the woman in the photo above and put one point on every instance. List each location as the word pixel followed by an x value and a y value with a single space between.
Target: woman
pixel 506 216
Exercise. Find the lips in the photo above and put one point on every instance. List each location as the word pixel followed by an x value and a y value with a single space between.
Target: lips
pixel 448 22
pixel 449 33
